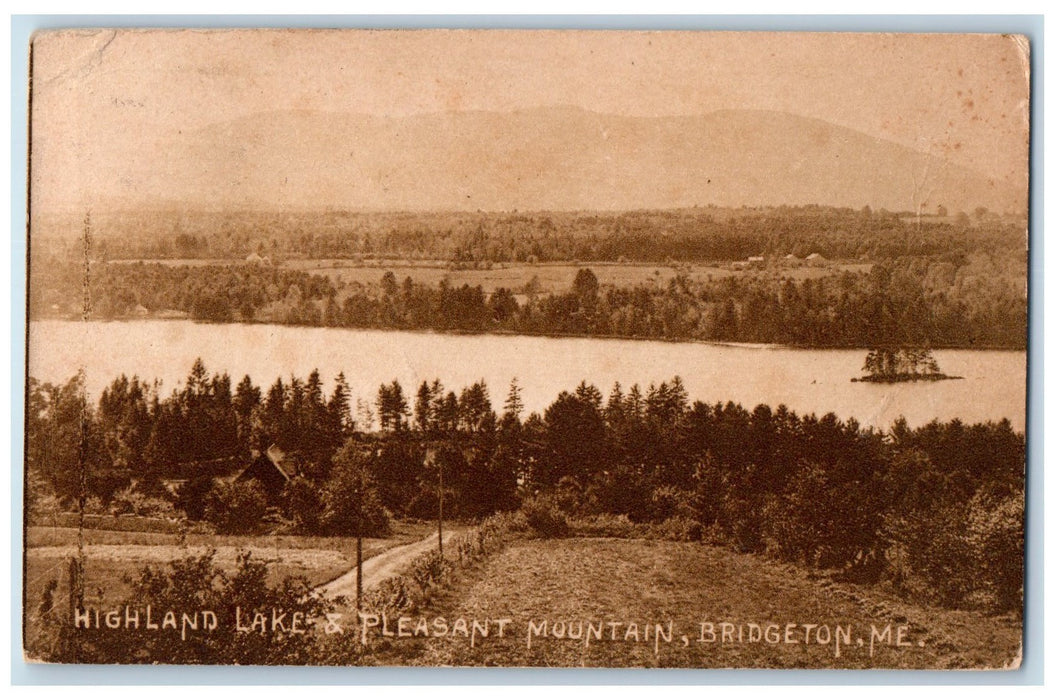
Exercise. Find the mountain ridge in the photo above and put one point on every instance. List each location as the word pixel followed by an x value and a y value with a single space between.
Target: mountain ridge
pixel 545 158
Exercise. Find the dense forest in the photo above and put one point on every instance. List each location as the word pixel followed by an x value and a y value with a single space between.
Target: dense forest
pixel 950 281
pixel 935 510
pixel 705 234
pixel 944 302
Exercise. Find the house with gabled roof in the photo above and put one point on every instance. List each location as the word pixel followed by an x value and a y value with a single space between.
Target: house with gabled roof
pixel 271 469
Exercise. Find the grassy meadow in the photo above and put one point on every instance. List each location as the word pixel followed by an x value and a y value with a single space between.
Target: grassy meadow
pixel 555 277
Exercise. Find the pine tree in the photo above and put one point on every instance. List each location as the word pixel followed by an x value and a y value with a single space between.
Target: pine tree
pixel 339 408
pixel 514 405
pixel 392 409
pixel 423 408
pixel 615 410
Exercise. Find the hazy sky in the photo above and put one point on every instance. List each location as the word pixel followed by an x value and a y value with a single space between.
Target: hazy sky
pixel 96 94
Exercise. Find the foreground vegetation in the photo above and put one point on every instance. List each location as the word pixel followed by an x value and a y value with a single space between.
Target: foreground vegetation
pixel 508 595
pixel 935 511
pixel 114 559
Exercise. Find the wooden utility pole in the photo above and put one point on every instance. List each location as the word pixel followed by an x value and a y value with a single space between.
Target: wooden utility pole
pixel 359 572
pixel 77 565
pixel 441 508
pixel 359 544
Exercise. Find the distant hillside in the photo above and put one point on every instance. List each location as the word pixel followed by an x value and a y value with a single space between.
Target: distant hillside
pixel 547 158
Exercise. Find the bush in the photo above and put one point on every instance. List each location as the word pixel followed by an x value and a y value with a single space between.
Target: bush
pixel 545 517
pixel 191 496
pixel 678 529
pixel 405 593
pixel 132 501
pixel 670 502
pixel 122 523
pixel 996 536
pixel 93 505
pixel 741 521
pixel 391 597
pixel 236 508
pixel 568 496
pixel 188 585
pixel 605 525
pixel 426 571
pixel 302 504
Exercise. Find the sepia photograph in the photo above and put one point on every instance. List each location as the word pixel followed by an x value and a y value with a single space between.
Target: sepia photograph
pixel 526 348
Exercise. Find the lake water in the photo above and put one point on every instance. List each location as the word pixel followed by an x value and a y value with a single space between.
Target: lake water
pixel 807 381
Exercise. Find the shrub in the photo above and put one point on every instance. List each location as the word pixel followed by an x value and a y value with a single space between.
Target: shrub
pixel 742 523
pixel 928 557
pixel 132 501
pixel 123 523
pixel 302 504
pixel 605 525
pixel 236 508
pixel 391 597
pixel 191 496
pixel 104 485
pixel 93 505
pixel 188 585
pixel 545 517
pixel 670 502
pixel 427 570
pixel 405 593
pixel 568 496
pixel 677 528
pixel 996 536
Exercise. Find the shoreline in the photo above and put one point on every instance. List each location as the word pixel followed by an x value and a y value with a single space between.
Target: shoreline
pixel 745 345
pixel 903 378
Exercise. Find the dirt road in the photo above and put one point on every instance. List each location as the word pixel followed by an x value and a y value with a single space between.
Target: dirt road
pixel 383 566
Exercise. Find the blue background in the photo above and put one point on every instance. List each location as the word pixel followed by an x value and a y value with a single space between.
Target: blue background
pixel 1031 671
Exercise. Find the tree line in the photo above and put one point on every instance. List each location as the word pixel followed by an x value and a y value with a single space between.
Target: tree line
pixel 936 511
pixel 948 301
pixel 218 293
pixel 701 234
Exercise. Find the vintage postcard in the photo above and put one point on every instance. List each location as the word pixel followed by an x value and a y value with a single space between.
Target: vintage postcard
pixel 527 348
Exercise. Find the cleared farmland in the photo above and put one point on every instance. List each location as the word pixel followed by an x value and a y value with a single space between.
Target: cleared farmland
pixel 547 277
pixel 720 610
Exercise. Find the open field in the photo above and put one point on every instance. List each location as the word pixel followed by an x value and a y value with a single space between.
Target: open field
pixel 177 262
pixel 776 616
pixel 551 277
pixel 113 556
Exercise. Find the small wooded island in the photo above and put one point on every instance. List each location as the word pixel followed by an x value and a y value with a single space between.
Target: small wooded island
pixel 889 365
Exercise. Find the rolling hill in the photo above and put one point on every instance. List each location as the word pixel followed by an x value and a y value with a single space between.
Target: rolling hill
pixel 553 158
